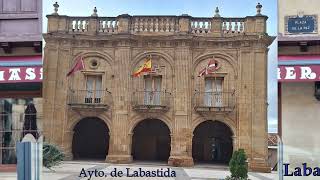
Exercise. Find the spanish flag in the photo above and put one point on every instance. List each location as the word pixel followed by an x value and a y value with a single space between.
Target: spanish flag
pixel 145 67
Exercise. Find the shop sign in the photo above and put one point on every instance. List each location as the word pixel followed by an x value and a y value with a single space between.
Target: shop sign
pixel 21 74
pixel 299 73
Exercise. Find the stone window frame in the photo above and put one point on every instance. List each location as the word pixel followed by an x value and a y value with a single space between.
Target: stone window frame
pixel 94 73
pixel 221 75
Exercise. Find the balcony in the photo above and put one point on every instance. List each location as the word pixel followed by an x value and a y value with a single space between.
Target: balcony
pixel 214 102
pixel 88 99
pixel 151 101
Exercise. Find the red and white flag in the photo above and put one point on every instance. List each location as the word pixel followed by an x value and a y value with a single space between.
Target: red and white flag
pixel 78 66
pixel 211 67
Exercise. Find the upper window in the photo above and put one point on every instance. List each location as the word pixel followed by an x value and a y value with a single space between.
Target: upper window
pixel 152 85
pixel 93 89
pixel 213 92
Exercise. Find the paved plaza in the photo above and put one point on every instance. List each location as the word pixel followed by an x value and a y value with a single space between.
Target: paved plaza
pixel 70 170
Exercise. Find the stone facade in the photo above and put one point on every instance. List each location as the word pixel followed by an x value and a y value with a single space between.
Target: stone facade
pixel 180 46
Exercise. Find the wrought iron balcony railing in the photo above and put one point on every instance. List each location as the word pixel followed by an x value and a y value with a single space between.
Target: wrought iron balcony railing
pixel 89 98
pixel 214 101
pixel 151 100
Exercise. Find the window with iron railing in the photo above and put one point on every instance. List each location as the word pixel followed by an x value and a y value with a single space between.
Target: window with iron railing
pixel 213 92
pixel 93 89
pixel 152 93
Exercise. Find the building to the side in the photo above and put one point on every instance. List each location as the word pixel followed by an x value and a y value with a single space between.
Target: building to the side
pixel 20 69
pixel 299 81
pixel 168 113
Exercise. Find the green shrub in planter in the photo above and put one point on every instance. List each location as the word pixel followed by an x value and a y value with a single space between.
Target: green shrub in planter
pixel 52 155
pixel 238 165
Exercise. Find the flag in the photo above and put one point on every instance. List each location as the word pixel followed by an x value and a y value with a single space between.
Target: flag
pixel 212 66
pixel 78 66
pixel 146 67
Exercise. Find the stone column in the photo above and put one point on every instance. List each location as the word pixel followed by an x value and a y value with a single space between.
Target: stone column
pixel 57 23
pixel 184 23
pixel 93 25
pixel 124 23
pixel 67 144
pixel 216 26
pixel 259 156
pixel 234 143
pixel 261 24
pixel 119 145
pixel 179 155
pixel 244 100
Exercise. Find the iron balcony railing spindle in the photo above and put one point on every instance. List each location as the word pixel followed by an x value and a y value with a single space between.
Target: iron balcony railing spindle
pixel 89 97
pixel 215 99
pixel 151 98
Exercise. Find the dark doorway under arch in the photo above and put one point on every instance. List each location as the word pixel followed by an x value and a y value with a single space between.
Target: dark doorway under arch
pixel 212 143
pixel 151 141
pixel 90 139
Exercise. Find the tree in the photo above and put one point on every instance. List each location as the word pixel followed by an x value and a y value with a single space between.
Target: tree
pixel 238 165
pixel 52 155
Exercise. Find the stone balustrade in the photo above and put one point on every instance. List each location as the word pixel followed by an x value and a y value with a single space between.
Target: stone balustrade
pixel 164 24
pixel 201 25
pixel 108 25
pixel 156 25
pixel 233 25
pixel 78 24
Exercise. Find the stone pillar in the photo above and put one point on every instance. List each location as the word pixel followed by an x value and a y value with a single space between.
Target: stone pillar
pixel 179 155
pixel 93 25
pixel 119 145
pixel 259 156
pixel 234 143
pixel 55 93
pixel 57 23
pixel 249 25
pixel 216 26
pixel 255 25
pixel 261 24
pixel 124 23
pixel 184 23
pixel 53 23
pixel 67 144
pixel 245 96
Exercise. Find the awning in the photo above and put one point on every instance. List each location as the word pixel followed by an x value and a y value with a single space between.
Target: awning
pixel 18 69
pixel 299 68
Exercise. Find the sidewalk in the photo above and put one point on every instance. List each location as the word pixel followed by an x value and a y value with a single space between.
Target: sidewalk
pixel 70 170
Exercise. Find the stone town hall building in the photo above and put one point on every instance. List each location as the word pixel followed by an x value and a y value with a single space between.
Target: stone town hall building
pixel 167 114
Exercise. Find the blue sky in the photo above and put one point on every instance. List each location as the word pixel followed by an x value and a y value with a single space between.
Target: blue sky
pixel 197 8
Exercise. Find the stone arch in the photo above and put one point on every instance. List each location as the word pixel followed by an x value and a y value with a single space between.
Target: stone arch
pixel 90 139
pixel 212 142
pixel 224 56
pixel 104 56
pixel 151 140
pixel 136 120
pixel 103 68
pixel 76 119
pixel 227 121
pixel 140 56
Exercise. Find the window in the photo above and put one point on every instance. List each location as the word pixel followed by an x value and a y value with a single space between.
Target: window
pixel 152 93
pixel 93 89
pixel 213 92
